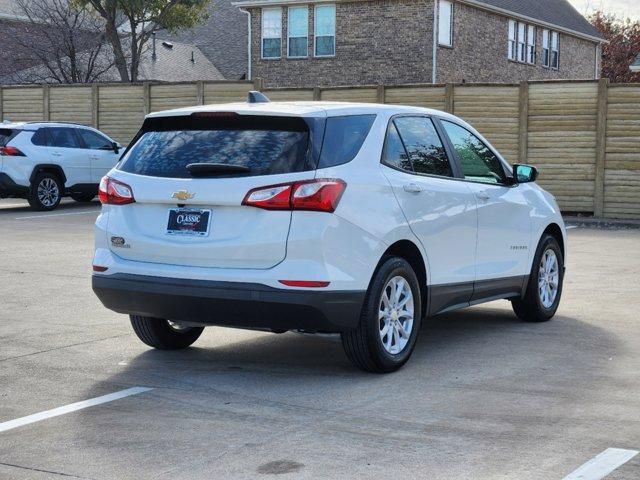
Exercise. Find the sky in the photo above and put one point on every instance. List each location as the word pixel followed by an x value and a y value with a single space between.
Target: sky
pixel 623 8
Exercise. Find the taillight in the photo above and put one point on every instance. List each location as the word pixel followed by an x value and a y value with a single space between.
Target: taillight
pixel 11 152
pixel 319 195
pixel 113 192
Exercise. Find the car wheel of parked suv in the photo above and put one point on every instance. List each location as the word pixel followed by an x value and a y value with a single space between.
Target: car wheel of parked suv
pixel 390 319
pixel 542 297
pixel 45 192
pixel 164 334
pixel 83 197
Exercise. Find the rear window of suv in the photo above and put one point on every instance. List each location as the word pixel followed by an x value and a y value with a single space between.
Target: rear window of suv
pixel 265 145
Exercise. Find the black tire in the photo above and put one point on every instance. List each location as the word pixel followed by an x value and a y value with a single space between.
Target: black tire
pixel 53 184
pixel 83 197
pixel 530 307
pixel 158 333
pixel 364 345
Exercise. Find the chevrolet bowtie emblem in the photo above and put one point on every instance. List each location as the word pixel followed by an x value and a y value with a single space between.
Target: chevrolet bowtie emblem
pixel 183 195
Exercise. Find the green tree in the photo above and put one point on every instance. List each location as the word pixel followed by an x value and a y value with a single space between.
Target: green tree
pixel 129 25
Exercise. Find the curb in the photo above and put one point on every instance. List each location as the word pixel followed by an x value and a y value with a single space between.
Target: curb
pixel 603 223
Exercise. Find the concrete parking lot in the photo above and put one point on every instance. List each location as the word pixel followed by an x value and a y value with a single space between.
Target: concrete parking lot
pixel 485 396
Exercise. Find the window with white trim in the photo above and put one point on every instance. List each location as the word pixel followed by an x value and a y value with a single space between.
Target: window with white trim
pixel 551 49
pixel 445 24
pixel 522 46
pixel 513 40
pixel 298 32
pixel 271 32
pixel 546 51
pixel 325 30
pixel 522 42
pixel 531 44
pixel 555 50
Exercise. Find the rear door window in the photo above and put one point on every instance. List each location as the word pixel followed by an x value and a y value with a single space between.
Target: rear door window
pixel 343 138
pixel 40 138
pixel 395 154
pixel 62 137
pixel 265 145
pixel 423 147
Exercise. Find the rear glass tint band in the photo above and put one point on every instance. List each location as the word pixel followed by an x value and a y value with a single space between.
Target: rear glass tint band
pixel 230 121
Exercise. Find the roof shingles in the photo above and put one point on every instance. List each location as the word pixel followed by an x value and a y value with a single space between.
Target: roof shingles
pixel 223 39
pixel 555 12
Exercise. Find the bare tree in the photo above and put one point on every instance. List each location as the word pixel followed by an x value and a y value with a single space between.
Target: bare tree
pixel 64 41
pixel 130 24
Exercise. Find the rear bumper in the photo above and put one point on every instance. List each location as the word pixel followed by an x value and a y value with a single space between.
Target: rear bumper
pixel 9 188
pixel 242 305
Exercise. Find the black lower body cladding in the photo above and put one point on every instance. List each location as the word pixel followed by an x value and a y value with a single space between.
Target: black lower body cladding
pixel 9 188
pixel 241 305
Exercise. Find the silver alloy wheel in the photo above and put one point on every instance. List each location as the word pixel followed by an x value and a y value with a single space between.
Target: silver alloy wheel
pixel 48 192
pixel 396 315
pixel 548 278
pixel 178 327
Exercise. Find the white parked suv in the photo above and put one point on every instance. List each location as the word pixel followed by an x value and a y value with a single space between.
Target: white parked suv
pixel 321 217
pixel 46 161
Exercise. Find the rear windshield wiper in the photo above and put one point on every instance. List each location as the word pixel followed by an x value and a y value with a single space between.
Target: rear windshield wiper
pixel 205 169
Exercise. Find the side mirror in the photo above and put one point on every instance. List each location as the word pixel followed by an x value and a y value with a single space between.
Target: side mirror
pixel 116 147
pixel 524 173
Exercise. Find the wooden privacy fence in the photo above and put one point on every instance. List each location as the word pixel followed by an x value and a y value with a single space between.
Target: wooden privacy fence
pixel 583 136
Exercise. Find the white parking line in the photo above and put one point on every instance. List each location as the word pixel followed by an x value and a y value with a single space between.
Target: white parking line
pixel 571 227
pixel 73 407
pixel 602 465
pixel 83 212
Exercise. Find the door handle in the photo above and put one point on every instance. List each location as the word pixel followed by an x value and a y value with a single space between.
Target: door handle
pixel 56 154
pixel 483 196
pixel 412 188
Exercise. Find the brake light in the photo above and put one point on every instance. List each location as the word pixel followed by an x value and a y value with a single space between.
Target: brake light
pixel 113 192
pixel 100 268
pixel 319 195
pixel 11 152
pixel 215 115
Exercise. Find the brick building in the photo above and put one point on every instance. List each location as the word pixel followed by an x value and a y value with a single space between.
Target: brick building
pixel 353 42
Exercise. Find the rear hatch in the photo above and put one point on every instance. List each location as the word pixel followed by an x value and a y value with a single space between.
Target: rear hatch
pixel 193 216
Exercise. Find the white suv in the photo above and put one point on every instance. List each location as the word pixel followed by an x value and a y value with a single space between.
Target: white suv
pixel 45 161
pixel 321 217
